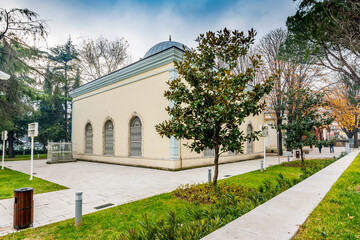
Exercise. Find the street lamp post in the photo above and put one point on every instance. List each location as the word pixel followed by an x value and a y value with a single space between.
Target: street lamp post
pixel 3 76
pixel 4 137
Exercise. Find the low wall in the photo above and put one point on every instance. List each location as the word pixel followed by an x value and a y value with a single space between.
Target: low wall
pixel 166 163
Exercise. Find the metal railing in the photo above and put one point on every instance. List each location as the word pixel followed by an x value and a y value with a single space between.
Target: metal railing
pixel 60 152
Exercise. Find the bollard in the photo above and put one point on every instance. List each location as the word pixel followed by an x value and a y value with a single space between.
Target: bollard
pixel 288 158
pixel 261 165
pixel 78 208
pixel 209 176
pixel 38 156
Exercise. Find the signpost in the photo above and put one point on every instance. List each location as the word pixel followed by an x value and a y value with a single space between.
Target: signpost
pixel 4 138
pixel 32 132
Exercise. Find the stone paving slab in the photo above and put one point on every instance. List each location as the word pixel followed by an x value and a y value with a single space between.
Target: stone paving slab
pixel 107 183
pixel 280 217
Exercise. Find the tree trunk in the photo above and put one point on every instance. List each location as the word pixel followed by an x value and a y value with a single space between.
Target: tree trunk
pixel 66 121
pixel 216 172
pixel 302 156
pixel 279 143
pixel 279 140
pixel 11 151
pixel 216 163
pixel 356 141
pixel 66 105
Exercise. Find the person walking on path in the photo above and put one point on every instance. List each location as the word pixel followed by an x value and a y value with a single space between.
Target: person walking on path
pixel 331 148
pixel 332 142
pixel 319 146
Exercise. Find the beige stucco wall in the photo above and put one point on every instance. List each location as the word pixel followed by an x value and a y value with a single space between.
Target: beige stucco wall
pixel 141 95
pixel 258 147
pixel 142 98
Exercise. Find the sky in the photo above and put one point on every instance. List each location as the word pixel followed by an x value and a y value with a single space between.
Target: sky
pixel 144 23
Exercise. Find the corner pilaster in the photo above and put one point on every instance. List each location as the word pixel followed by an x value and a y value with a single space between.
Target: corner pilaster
pixel 174 144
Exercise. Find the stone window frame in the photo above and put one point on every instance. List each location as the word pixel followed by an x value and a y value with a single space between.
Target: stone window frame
pixel 130 120
pixel 92 138
pixel 108 119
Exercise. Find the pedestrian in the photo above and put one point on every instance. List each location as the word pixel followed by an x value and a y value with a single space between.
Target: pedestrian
pixel 332 142
pixel 319 146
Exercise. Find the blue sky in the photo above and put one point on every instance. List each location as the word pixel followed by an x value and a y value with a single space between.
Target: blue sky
pixel 144 23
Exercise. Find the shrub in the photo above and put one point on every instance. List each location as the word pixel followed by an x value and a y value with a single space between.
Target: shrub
pixel 206 193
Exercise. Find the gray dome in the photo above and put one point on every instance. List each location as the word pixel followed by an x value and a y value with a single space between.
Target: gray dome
pixel 162 46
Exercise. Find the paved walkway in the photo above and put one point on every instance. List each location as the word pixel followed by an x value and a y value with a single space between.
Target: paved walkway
pixel 280 217
pixel 107 183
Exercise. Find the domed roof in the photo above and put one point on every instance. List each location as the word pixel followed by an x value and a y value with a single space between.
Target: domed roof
pixel 162 46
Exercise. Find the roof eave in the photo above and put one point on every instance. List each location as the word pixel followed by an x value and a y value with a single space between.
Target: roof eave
pixel 162 58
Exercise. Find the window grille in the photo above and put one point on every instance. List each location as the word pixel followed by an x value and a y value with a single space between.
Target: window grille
pixel 249 143
pixel 135 137
pixel 209 152
pixel 109 138
pixel 88 138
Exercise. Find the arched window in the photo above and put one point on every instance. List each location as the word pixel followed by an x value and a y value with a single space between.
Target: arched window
pixel 249 130
pixel 88 138
pixel 209 152
pixel 135 137
pixel 109 138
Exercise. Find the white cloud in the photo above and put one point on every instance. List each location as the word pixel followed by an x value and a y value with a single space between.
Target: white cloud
pixel 143 26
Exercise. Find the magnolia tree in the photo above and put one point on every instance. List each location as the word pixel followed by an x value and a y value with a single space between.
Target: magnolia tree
pixel 305 110
pixel 210 99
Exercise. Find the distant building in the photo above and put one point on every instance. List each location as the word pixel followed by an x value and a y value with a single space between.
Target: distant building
pixel 114 117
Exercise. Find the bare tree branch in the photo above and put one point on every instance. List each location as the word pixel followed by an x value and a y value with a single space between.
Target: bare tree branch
pixel 101 56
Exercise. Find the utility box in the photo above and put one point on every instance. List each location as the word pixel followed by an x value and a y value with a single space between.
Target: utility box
pixel 23 207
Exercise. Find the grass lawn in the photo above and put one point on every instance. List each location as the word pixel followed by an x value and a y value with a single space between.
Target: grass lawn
pixel 26 157
pixel 338 214
pixel 10 180
pixel 113 222
pixel 290 170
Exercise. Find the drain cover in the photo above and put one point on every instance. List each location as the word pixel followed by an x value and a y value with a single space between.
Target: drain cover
pixel 227 175
pixel 104 206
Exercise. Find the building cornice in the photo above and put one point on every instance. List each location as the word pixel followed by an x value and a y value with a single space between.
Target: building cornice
pixel 162 58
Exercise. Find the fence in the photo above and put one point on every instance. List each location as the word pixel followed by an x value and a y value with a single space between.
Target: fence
pixel 59 152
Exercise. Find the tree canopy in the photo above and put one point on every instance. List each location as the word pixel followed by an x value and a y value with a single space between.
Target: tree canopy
pixel 305 110
pixel 343 100
pixel 329 30
pixel 17 93
pixel 65 66
pixel 101 56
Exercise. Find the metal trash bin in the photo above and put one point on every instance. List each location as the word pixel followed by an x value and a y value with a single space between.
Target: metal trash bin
pixel 23 207
pixel 297 154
